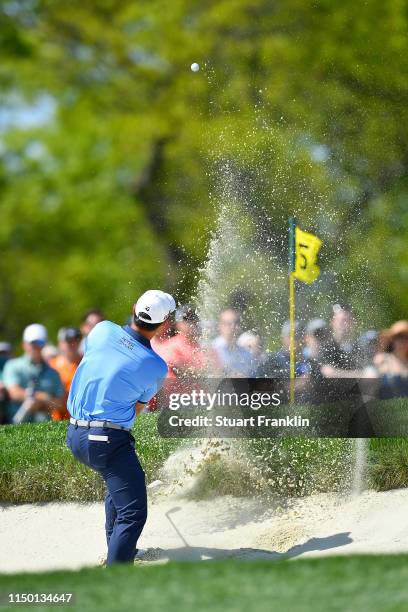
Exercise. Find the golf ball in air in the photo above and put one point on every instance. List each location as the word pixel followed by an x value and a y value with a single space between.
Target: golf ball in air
pixel 195 67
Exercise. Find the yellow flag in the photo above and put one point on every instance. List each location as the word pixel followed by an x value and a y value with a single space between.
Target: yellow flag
pixel 307 248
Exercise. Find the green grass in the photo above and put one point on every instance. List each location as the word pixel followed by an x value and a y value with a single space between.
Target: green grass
pixel 36 465
pixel 332 584
pixel 33 459
pixel 389 463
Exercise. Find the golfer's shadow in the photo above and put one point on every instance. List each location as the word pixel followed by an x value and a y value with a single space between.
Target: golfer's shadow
pixel 200 553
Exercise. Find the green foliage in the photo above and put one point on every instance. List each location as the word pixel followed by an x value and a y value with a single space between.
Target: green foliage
pixel 113 189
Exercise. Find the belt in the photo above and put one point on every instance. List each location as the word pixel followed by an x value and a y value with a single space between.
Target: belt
pixel 83 423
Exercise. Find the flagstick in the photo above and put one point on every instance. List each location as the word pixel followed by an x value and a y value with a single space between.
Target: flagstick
pixel 292 226
pixel 292 337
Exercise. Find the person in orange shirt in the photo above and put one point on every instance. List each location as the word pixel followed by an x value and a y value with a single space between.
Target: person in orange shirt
pixel 66 363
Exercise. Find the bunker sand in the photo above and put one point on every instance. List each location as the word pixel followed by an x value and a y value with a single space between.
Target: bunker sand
pixel 38 537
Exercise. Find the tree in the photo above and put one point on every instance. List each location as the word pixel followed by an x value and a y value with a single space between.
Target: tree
pixel 294 111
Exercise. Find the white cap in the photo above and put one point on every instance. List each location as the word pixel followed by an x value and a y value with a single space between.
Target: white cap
pixel 35 333
pixel 154 306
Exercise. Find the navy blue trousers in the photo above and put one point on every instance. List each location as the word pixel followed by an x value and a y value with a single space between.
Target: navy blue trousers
pixel 111 452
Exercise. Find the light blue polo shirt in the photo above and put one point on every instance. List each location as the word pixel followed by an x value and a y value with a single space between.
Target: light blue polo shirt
pixel 119 368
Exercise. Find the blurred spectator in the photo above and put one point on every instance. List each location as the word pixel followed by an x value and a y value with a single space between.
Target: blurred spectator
pixel 49 352
pixel 277 365
pixel 88 322
pixel 184 355
pixel 234 360
pixel 66 363
pixel 367 344
pixel 320 348
pixel 345 353
pixel 183 352
pixel 391 362
pixel 34 387
pixel 252 342
pixel 317 338
pixel 241 301
pixel 342 324
pixel 90 319
pixel 5 355
pixel 158 344
pixel 159 340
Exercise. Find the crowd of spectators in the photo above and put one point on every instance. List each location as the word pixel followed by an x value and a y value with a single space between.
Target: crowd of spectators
pixel 35 386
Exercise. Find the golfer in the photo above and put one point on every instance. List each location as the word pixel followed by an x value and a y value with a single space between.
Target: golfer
pixel 118 374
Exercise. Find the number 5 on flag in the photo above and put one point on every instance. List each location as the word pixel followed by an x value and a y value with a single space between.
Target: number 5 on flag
pixel 307 247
